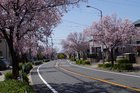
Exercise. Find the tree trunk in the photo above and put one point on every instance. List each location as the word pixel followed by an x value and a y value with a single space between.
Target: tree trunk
pixel 78 55
pixel 14 56
pixel 84 56
pixel 9 40
pixel 112 57
pixel 15 65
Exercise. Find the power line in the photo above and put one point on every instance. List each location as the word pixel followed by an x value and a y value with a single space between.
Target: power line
pixel 130 4
pixel 75 23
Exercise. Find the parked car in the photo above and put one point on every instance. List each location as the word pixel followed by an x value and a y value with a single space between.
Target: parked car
pixel 4 64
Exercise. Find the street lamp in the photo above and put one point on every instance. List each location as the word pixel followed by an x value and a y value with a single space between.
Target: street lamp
pixel 52 54
pixel 101 13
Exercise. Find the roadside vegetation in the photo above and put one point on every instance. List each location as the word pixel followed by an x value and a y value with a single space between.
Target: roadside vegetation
pixel 83 62
pixel 120 65
pixel 9 85
pixel 14 86
pixel 61 56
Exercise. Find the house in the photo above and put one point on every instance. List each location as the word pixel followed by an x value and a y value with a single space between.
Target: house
pixel 96 48
pixel 132 47
pixel 4 50
pixel 137 40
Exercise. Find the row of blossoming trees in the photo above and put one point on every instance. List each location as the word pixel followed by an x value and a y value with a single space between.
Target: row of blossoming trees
pixel 75 44
pixel 110 32
pixel 25 22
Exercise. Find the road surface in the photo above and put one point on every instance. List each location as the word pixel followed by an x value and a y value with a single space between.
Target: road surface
pixel 60 76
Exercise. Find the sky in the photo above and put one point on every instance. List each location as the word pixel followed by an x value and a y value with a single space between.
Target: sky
pixel 77 19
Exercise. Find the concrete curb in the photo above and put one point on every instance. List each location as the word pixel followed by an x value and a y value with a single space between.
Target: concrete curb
pixel 30 79
pixel 29 76
pixel 2 77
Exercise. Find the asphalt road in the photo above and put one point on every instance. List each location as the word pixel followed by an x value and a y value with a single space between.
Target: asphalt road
pixel 60 76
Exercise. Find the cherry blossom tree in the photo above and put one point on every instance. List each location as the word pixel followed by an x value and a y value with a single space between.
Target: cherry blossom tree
pixel 112 32
pixel 23 20
pixel 76 42
pixel 68 50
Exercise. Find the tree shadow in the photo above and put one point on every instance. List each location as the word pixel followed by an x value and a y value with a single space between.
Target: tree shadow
pixel 85 87
pixel 136 68
pixel 82 87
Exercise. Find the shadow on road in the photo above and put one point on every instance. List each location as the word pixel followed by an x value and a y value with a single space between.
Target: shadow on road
pixel 85 87
pixel 82 87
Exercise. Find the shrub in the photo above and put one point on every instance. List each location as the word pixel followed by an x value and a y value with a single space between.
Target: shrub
pixel 20 66
pixel 122 61
pixel 87 62
pixel 80 62
pixel 77 61
pixel 28 67
pixel 100 65
pixel 14 86
pixel 115 67
pixel 72 59
pixel 61 56
pixel 125 66
pixel 37 62
pixel 46 60
pixel 107 65
pixel 25 77
pixel 92 55
pixel 83 62
pixel 122 65
pixel 8 75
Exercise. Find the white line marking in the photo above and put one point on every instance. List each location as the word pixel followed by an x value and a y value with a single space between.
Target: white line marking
pixel 56 64
pixel 49 86
pixel 105 71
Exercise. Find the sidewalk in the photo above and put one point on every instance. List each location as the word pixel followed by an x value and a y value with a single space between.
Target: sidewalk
pixel 1 77
pixel 2 74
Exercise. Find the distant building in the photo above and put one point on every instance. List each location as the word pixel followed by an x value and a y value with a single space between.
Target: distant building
pixel 4 50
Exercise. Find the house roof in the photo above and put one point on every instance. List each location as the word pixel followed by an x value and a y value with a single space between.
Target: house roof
pixel 137 23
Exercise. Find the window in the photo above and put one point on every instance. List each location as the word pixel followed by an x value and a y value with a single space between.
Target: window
pixel 138 42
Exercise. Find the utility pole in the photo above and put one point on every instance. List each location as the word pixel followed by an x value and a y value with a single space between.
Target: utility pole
pixel 52 55
pixel 101 15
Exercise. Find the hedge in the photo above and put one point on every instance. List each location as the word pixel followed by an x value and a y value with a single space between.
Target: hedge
pixel 83 62
pixel 122 66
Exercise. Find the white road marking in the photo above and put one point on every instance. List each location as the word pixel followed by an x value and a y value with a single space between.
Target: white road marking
pixel 56 64
pixel 105 71
pixel 48 85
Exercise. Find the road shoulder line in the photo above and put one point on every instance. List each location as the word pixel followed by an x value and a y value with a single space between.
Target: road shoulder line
pixel 45 82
